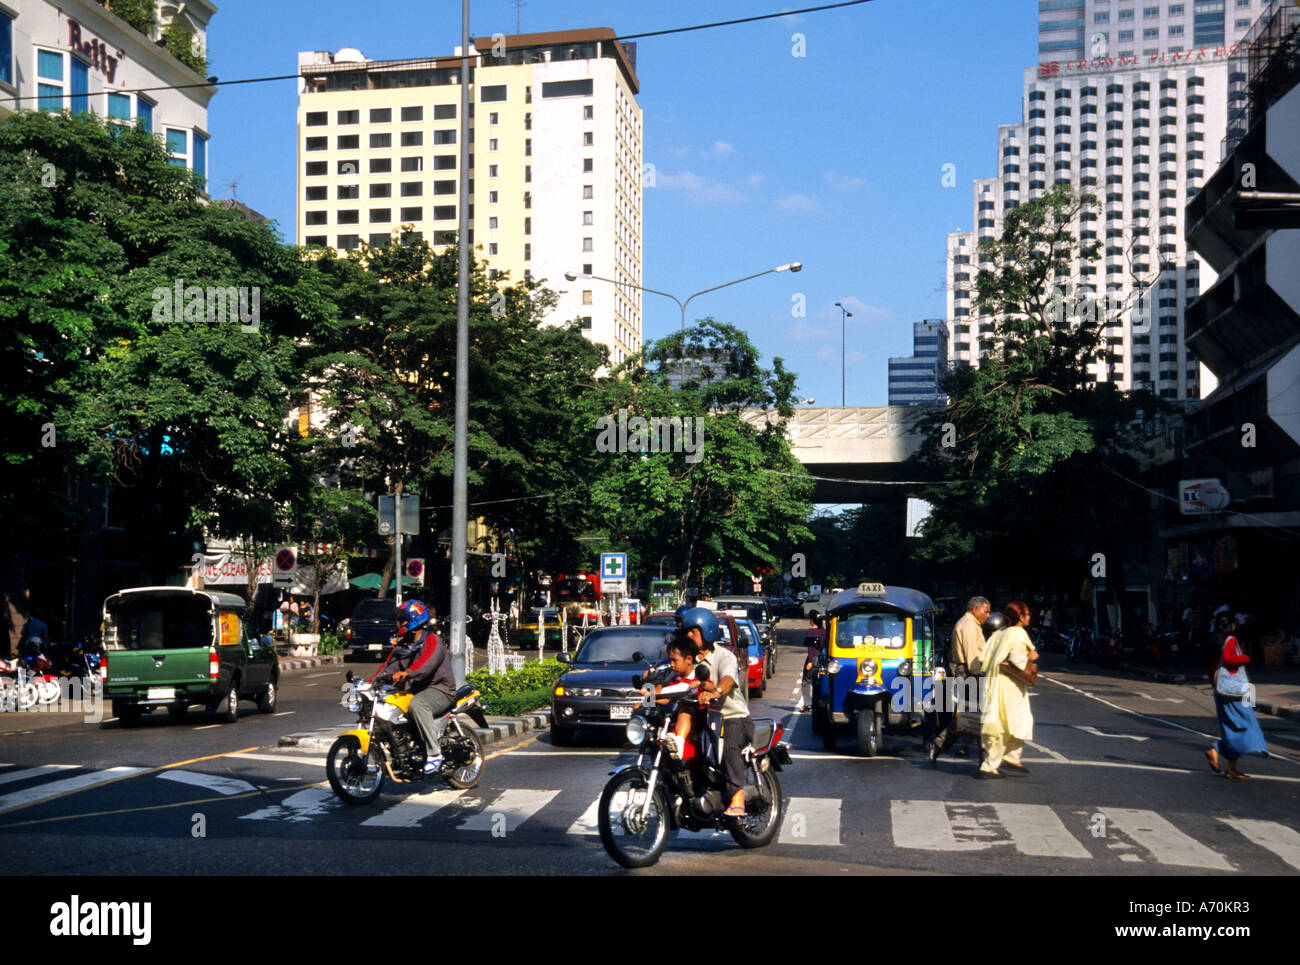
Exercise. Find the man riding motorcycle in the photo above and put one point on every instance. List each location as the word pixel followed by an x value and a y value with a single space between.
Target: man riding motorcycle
pixel 427 672
pixel 725 693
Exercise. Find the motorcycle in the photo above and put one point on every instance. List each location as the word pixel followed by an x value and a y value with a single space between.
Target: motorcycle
pixel 643 802
pixel 387 743
pixel 37 681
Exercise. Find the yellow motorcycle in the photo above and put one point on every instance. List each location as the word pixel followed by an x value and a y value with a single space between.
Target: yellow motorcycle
pixel 387 744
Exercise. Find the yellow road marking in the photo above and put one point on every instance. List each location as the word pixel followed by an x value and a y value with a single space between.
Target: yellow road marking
pixel 124 777
pixel 513 747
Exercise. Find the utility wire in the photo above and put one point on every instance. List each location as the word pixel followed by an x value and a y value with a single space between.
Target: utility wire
pixel 650 33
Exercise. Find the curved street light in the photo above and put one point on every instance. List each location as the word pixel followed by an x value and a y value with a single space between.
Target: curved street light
pixel 844 314
pixel 792 266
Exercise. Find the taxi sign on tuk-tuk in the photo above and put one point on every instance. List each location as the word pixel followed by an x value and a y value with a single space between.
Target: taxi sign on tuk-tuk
pixel 880 647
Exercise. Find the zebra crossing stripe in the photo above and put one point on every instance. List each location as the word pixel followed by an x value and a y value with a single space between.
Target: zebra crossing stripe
pixel 410 812
pixel 213 782
pixel 1278 838
pixel 302 805
pixel 811 820
pixel 925 825
pixel 32 795
pixel 516 805
pixel 1162 840
pixel 586 823
pixel 1035 829
pixel 30 772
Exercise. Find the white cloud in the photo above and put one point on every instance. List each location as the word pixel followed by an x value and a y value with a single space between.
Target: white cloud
pixel 798 202
pixel 722 148
pixel 702 190
pixel 844 182
pixel 862 312
pixel 754 180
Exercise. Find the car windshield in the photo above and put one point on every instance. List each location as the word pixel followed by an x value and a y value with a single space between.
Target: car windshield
pixel 753 611
pixel 879 629
pixel 618 646
pixel 375 610
pixel 661 620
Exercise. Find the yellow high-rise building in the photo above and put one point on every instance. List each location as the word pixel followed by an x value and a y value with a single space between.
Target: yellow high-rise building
pixel 555 163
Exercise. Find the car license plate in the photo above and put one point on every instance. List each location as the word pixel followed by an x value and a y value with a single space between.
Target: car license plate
pixel 160 693
pixel 620 713
pixel 375 646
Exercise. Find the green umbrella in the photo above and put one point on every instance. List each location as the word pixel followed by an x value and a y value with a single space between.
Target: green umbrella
pixel 370 581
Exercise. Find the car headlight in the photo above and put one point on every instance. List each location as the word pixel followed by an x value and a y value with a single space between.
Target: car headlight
pixel 636 731
pixel 833 667
pixel 754 660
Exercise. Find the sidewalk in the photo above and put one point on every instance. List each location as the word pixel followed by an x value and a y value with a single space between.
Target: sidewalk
pixel 1277 689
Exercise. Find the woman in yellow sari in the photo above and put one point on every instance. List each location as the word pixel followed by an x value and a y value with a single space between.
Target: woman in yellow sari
pixel 1006 721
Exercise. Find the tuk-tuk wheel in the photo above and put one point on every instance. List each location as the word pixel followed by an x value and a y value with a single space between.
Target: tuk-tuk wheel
pixel 868 722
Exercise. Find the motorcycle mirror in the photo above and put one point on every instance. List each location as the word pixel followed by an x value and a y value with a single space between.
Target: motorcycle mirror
pixel 638 656
pixel 350 677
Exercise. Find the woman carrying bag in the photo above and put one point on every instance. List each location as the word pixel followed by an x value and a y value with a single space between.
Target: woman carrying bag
pixel 1234 706
pixel 1010 666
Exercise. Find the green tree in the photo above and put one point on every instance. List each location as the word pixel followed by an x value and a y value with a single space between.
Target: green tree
pixel 732 492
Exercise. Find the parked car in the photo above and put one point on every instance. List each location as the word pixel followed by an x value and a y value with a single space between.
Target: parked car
pixel 172 647
pixel 756 671
pixel 371 628
pixel 755 608
pixel 599 691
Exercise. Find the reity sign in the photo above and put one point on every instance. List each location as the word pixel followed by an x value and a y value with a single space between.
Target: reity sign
pixel 95 49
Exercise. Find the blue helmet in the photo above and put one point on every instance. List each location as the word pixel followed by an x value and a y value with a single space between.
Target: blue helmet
pixel 705 621
pixel 410 616
pixel 678 613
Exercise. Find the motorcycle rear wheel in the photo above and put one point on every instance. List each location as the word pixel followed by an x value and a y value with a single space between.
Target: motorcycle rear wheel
pixel 349 772
pixel 762 818
pixel 633 846
pixel 467 775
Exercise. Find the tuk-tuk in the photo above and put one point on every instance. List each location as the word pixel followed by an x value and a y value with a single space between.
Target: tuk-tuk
pixel 877 672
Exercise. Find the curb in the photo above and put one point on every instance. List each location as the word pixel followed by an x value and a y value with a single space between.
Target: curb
pixel 1164 676
pixel 1275 707
pixel 498 730
pixel 306 663
pixel 1289 709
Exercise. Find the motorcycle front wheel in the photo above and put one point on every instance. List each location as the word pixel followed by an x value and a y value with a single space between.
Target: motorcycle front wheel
pixel 355 778
pixel 630 839
pixel 764 809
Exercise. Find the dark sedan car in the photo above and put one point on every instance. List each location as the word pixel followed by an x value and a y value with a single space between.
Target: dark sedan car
pixel 371 628
pixel 599 691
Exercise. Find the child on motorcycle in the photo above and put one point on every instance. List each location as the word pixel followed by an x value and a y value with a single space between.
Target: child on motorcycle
pixel 681 653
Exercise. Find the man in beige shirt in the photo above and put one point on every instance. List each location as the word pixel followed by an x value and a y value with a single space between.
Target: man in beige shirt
pixel 968 639
pixel 967 648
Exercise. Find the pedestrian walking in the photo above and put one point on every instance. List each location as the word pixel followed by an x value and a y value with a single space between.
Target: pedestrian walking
pixel 815 639
pixel 964 663
pixel 1010 664
pixel 1239 729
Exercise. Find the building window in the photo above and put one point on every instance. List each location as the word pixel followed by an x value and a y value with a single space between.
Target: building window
pixel 493 223
pixel 588 139
pixel 347 192
pixel 412 164
pixel 200 159
pixel 350 216
pixel 380 140
pixel 492 93
pixel 381 115
pixel 412 214
pixel 314 169
pixel 378 165
pixel 412 189
pixel 492 247
pixel 444 212
pixel 1126 14
pixel 443 137
pixel 528 252
pixel 1176 30
pixel 178 147
pixel 586 323
pixel 316 193
pixel 492 170
pixel 586 218
pixel 586 296
pixel 494 144
pixel 380 240
pixel 316 218
pixel 412 138
pixel 314 143
pixel 317 241
pixel 317 118
pixel 446 112
pixel 444 187
pixel 349 142
pixel 588 112
pixel 587 165
pixel 144 115
pixel 412 113
pixel 586 244
pixel 348 242
pixel 444 162
pixel 381 215
pixel 384 190
pixel 493 197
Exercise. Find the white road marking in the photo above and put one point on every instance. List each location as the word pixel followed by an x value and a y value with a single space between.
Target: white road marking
pixel 515 805
pixel 41 792
pixel 312 676
pixel 305 805
pixel 1278 838
pixel 284 713
pixel 213 782
pixel 209 726
pixel 586 823
pixel 410 812
pixel 811 820
pixel 1162 840
pixel 1088 728
pixel 1283 737
pixel 1037 830
pixel 1164 700
pixel 845 757
pixel 1059 758
pixel 281 758
pixel 925 825
pixel 27 772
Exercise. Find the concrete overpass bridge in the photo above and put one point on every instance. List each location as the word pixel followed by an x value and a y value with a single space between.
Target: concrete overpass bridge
pixel 852 446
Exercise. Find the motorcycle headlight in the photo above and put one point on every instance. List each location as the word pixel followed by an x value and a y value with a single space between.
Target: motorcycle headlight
pixel 636 731
pixel 833 667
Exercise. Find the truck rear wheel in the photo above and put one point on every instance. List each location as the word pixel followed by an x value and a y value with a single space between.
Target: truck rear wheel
pixel 128 714
pixel 228 709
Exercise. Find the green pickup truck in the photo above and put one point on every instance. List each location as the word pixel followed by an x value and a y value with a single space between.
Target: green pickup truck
pixel 170 646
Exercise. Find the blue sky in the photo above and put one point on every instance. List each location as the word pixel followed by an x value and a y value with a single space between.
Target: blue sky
pixel 834 158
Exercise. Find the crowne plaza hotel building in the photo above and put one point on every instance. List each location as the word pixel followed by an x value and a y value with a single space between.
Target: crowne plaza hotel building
pixel 555 163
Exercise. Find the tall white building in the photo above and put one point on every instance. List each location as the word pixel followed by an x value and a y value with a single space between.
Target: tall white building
pixel 1074 30
pixel 1141 139
pixel 555 163
pixel 77 55
pixel 914 379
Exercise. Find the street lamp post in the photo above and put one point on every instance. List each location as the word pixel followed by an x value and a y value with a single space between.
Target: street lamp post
pixel 844 314
pixel 792 266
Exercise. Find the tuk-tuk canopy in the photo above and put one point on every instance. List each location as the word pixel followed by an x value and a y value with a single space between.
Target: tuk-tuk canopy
pixel 901 598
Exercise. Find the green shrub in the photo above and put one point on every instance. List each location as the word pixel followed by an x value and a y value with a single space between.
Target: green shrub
pixel 329 643
pixel 140 14
pixel 178 40
pixel 518 691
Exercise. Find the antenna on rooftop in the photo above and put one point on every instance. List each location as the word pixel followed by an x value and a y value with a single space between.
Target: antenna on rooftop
pixel 518 4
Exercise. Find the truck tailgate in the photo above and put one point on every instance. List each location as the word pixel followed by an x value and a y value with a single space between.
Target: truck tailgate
pixel 134 671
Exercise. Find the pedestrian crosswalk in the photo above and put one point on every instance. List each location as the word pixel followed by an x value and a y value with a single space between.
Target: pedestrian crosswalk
pixel 1074 833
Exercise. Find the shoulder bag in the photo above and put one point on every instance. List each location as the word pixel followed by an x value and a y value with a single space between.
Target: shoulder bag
pixel 1029 675
pixel 1233 686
